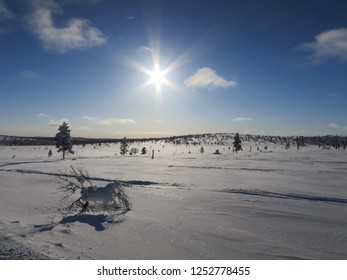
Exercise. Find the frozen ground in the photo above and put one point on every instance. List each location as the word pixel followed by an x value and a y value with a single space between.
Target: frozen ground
pixel 274 204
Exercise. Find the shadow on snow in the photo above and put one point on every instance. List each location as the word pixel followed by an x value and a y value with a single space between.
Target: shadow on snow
pixel 287 196
pixel 96 221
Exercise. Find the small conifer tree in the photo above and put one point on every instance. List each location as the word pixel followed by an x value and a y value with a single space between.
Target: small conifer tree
pixel 63 139
pixel 237 143
pixel 124 146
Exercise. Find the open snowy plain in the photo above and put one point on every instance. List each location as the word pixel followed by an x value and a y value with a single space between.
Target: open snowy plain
pixel 273 204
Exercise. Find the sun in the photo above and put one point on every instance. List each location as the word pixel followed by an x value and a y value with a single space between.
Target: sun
pixel 157 77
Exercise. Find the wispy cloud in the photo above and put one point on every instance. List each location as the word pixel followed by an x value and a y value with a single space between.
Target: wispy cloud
pixel 109 121
pixel 90 118
pixel 334 95
pixel 82 1
pixel 5 15
pixel 144 49
pixel 5 12
pixel 42 115
pixel 130 18
pixel 334 125
pixel 77 33
pixel 338 126
pixel 207 78
pixel 30 75
pixel 117 121
pixel 82 128
pixel 242 119
pixel 57 122
pixel 152 133
pixel 327 45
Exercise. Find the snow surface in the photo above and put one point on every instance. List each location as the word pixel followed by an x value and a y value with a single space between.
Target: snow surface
pixel 272 204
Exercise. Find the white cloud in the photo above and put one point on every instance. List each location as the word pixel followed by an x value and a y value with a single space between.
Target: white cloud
pixel 144 49
pixel 151 133
pixel 90 118
pixel 5 12
pixel 30 75
pixel 57 122
pixel 334 125
pixel 109 121
pixel 338 126
pixel 207 78
pixel 76 34
pixel 82 128
pixel 328 44
pixel 242 119
pixel 117 121
pixel 42 115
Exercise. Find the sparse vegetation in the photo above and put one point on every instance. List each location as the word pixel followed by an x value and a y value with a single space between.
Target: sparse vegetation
pixel 133 151
pixel 217 152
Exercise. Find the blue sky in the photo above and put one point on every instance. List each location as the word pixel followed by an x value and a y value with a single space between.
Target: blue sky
pixel 160 68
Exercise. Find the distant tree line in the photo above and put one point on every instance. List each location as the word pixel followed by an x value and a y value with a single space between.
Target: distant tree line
pixel 222 139
pixel 26 141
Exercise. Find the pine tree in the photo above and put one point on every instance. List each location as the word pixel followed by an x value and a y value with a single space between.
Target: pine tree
pixel 63 139
pixel 124 146
pixel 237 143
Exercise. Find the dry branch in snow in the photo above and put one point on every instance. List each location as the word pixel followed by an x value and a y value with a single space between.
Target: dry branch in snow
pixel 111 197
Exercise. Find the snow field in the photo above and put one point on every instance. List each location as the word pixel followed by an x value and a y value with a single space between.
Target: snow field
pixel 274 204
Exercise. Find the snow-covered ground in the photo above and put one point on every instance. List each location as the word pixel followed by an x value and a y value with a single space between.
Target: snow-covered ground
pixel 273 204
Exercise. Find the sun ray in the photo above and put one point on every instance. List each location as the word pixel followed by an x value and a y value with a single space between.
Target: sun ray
pixel 157 76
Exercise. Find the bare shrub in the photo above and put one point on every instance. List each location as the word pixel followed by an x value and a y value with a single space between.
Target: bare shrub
pixel 111 197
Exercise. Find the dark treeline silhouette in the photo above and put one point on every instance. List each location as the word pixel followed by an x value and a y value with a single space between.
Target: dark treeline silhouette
pixel 327 141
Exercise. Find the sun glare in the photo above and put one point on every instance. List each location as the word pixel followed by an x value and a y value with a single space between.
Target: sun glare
pixel 157 77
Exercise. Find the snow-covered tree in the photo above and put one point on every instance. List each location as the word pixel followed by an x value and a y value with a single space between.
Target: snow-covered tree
pixel 124 146
pixel 237 143
pixel 134 151
pixel 63 139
